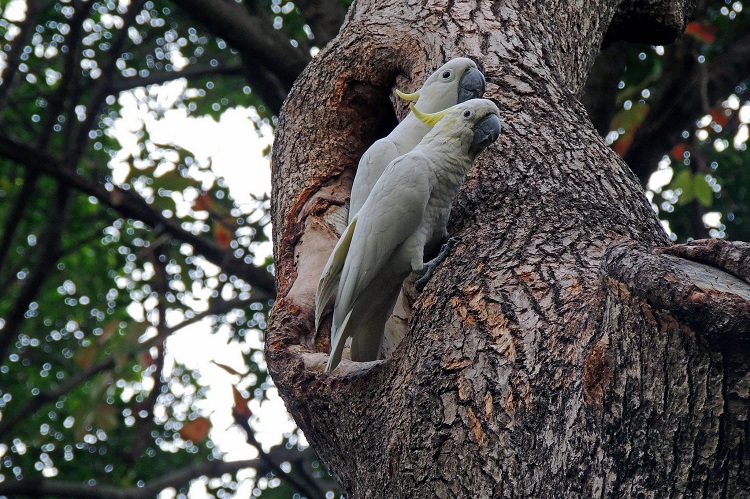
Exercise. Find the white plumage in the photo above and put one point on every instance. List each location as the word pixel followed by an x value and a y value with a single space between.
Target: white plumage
pixel 407 210
pixel 456 81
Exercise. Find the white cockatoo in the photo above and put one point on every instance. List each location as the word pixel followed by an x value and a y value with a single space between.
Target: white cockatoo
pixel 407 211
pixel 457 80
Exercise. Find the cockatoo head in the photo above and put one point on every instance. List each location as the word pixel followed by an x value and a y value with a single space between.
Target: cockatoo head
pixel 458 80
pixel 475 123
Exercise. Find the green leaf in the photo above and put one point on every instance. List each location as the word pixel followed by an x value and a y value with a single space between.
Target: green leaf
pixel 173 181
pixel 703 192
pixel 684 182
pixel 630 119
pixel 164 203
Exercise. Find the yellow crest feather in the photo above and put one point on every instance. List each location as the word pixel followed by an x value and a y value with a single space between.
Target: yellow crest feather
pixel 427 118
pixel 408 97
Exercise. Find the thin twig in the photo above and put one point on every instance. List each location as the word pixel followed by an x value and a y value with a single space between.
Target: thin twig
pixel 58 488
pixel 190 72
pixel 161 286
pixel 52 395
pixel 103 87
pixel 15 214
pixel 131 205
pixel 309 489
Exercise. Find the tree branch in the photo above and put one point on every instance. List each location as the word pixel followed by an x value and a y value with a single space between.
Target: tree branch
pixel 71 62
pixel 52 395
pixel 35 403
pixel 158 259
pixel 303 488
pixel 15 214
pixel 131 205
pixel 323 17
pixel 679 101
pixel 264 82
pixel 58 488
pixel 732 257
pixel 103 86
pixel 713 302
pixel 13 59
pixel 190 72
pixel 656 22
pixel 48 253
pixel 265 50
pixel 600 92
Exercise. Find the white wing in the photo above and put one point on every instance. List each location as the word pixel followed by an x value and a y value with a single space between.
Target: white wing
pixel 371 166
pixel 391 214
pixel 388 218
pixel 329 280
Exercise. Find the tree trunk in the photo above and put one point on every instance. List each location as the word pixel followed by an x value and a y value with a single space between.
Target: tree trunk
pixel 555 353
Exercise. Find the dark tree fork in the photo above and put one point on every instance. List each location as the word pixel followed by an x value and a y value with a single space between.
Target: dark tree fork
pixel 560 350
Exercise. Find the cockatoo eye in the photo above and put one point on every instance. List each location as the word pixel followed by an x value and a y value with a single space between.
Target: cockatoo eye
pixel 468 113
pixel 447 74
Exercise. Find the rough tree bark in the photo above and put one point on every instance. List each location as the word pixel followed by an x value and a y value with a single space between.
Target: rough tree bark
pixel 556 352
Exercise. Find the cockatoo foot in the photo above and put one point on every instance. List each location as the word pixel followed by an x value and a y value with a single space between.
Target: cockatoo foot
pixel 430 267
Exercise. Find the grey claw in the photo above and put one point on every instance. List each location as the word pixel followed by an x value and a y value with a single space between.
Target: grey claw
pixel 430 267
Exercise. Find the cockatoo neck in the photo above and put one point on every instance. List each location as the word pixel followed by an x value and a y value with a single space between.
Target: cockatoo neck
pixel 408 133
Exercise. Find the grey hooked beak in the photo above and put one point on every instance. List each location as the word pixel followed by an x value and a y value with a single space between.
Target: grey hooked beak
pixel 486 132
pixel 471 85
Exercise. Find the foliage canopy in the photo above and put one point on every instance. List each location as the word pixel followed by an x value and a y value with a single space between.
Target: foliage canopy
pixel 114 238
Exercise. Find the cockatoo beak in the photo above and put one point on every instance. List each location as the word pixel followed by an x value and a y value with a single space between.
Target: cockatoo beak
pixel 471 85
pixel 486 132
